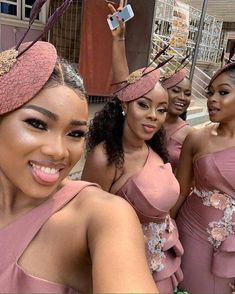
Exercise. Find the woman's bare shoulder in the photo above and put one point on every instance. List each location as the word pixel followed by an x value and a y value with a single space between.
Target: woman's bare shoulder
pixel 98 155
pixel 98 201
pixel 97 168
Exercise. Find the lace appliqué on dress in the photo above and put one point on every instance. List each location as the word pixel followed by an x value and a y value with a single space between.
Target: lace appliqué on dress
pixel 154 242
pixel 219 230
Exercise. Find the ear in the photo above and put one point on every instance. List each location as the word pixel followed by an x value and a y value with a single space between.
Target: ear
pixel 124 106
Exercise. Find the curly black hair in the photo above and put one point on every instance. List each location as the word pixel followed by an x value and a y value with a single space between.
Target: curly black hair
pixel 107 126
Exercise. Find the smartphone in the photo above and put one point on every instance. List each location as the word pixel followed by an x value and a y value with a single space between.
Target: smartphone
pixel 125 14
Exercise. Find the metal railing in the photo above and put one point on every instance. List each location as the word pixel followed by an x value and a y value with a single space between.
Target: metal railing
pixel 200 79
pixel 209 50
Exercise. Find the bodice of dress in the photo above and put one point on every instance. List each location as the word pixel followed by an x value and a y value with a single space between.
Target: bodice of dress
pixel 15 237
pixel 211 207
pixel 174 141
pixel 153 192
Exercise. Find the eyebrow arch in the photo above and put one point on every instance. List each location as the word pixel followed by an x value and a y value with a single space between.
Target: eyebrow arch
pixel 52 115
pixel 151 100
pixel 224 84
pixel 44 111
pixel 78 123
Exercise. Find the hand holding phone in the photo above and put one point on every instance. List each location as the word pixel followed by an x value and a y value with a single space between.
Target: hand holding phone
pixel 124 14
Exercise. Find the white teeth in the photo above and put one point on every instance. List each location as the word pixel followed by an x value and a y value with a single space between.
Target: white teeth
pixel 46 170
pixel 180 104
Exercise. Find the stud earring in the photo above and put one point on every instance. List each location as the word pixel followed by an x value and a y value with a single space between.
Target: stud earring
pixel 123 113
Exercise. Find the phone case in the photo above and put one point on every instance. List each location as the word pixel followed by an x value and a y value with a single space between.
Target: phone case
pixel 125 14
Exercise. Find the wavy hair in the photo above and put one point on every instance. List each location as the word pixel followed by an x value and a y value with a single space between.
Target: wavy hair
pixel 107 126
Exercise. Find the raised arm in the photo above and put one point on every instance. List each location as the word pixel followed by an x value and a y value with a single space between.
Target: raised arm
pixel 185 171
pixel 119 61
pixel 116 244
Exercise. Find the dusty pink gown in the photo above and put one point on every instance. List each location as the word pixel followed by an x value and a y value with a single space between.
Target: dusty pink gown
pixel 15 237
pixel 206 224
pixel 152 193
pixel 174 140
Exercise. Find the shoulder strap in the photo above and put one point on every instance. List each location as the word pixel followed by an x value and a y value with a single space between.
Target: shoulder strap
pixel 173 130
pixel 16 236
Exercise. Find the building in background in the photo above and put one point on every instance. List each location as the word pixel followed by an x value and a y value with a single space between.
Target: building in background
pixel 83 32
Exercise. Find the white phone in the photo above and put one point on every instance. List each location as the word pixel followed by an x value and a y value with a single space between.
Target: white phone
pixel 125 14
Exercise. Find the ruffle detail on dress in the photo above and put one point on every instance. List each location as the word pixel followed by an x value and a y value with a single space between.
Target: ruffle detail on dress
pixel 173 250
pixel 225 255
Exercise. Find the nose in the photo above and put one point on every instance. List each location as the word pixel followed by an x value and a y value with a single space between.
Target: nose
pixel 212 98
pixel 55 147
pixel 183 97
pixel 152 114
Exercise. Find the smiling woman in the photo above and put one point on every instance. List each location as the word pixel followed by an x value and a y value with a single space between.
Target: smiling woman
pixel 55 236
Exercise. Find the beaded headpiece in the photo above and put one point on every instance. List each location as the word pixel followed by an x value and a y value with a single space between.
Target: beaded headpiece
pixel 26 68
pixel 141 81
pixel 230 64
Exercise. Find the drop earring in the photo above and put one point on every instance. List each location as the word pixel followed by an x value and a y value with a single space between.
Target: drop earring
pixel 123 113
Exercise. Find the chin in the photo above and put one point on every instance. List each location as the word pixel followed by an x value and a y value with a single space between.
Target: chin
pixel 40 193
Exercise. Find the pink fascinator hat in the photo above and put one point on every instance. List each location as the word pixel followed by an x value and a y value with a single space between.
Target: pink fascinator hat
pixel 175 79
pixel 138 84
pixel 141 81
pixel 26 68
pixel 26 76
pixel 176 75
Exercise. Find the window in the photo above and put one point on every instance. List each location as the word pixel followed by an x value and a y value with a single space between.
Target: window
pixel 19 9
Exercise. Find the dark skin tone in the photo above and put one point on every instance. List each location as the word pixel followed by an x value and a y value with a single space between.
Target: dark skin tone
pixel 219 136
pixel 44 139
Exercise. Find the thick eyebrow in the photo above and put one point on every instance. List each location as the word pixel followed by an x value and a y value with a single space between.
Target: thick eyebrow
pixel 78 123
pixel 44 111
pixel 224 84
pixel 163 102
pixel 52 115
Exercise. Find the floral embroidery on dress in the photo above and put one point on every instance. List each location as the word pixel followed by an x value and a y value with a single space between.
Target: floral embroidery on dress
pixel 221 229
pixel 154 242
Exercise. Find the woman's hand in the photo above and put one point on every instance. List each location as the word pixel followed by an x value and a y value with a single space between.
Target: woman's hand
pixel 119 32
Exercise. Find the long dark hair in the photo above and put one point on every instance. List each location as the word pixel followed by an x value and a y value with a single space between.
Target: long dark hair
pixel 107 126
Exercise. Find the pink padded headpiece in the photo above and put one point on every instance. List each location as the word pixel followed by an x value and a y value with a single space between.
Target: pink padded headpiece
pixel 22 79
pixel 25 69
pixel 139 83
pixel 175 79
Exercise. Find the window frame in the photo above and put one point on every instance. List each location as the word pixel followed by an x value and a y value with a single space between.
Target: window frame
pixel 20 12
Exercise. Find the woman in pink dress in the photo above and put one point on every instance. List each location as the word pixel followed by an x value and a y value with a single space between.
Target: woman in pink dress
pixel 56 237
pixel 179 89
pixel 127 157
pixel 206 220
